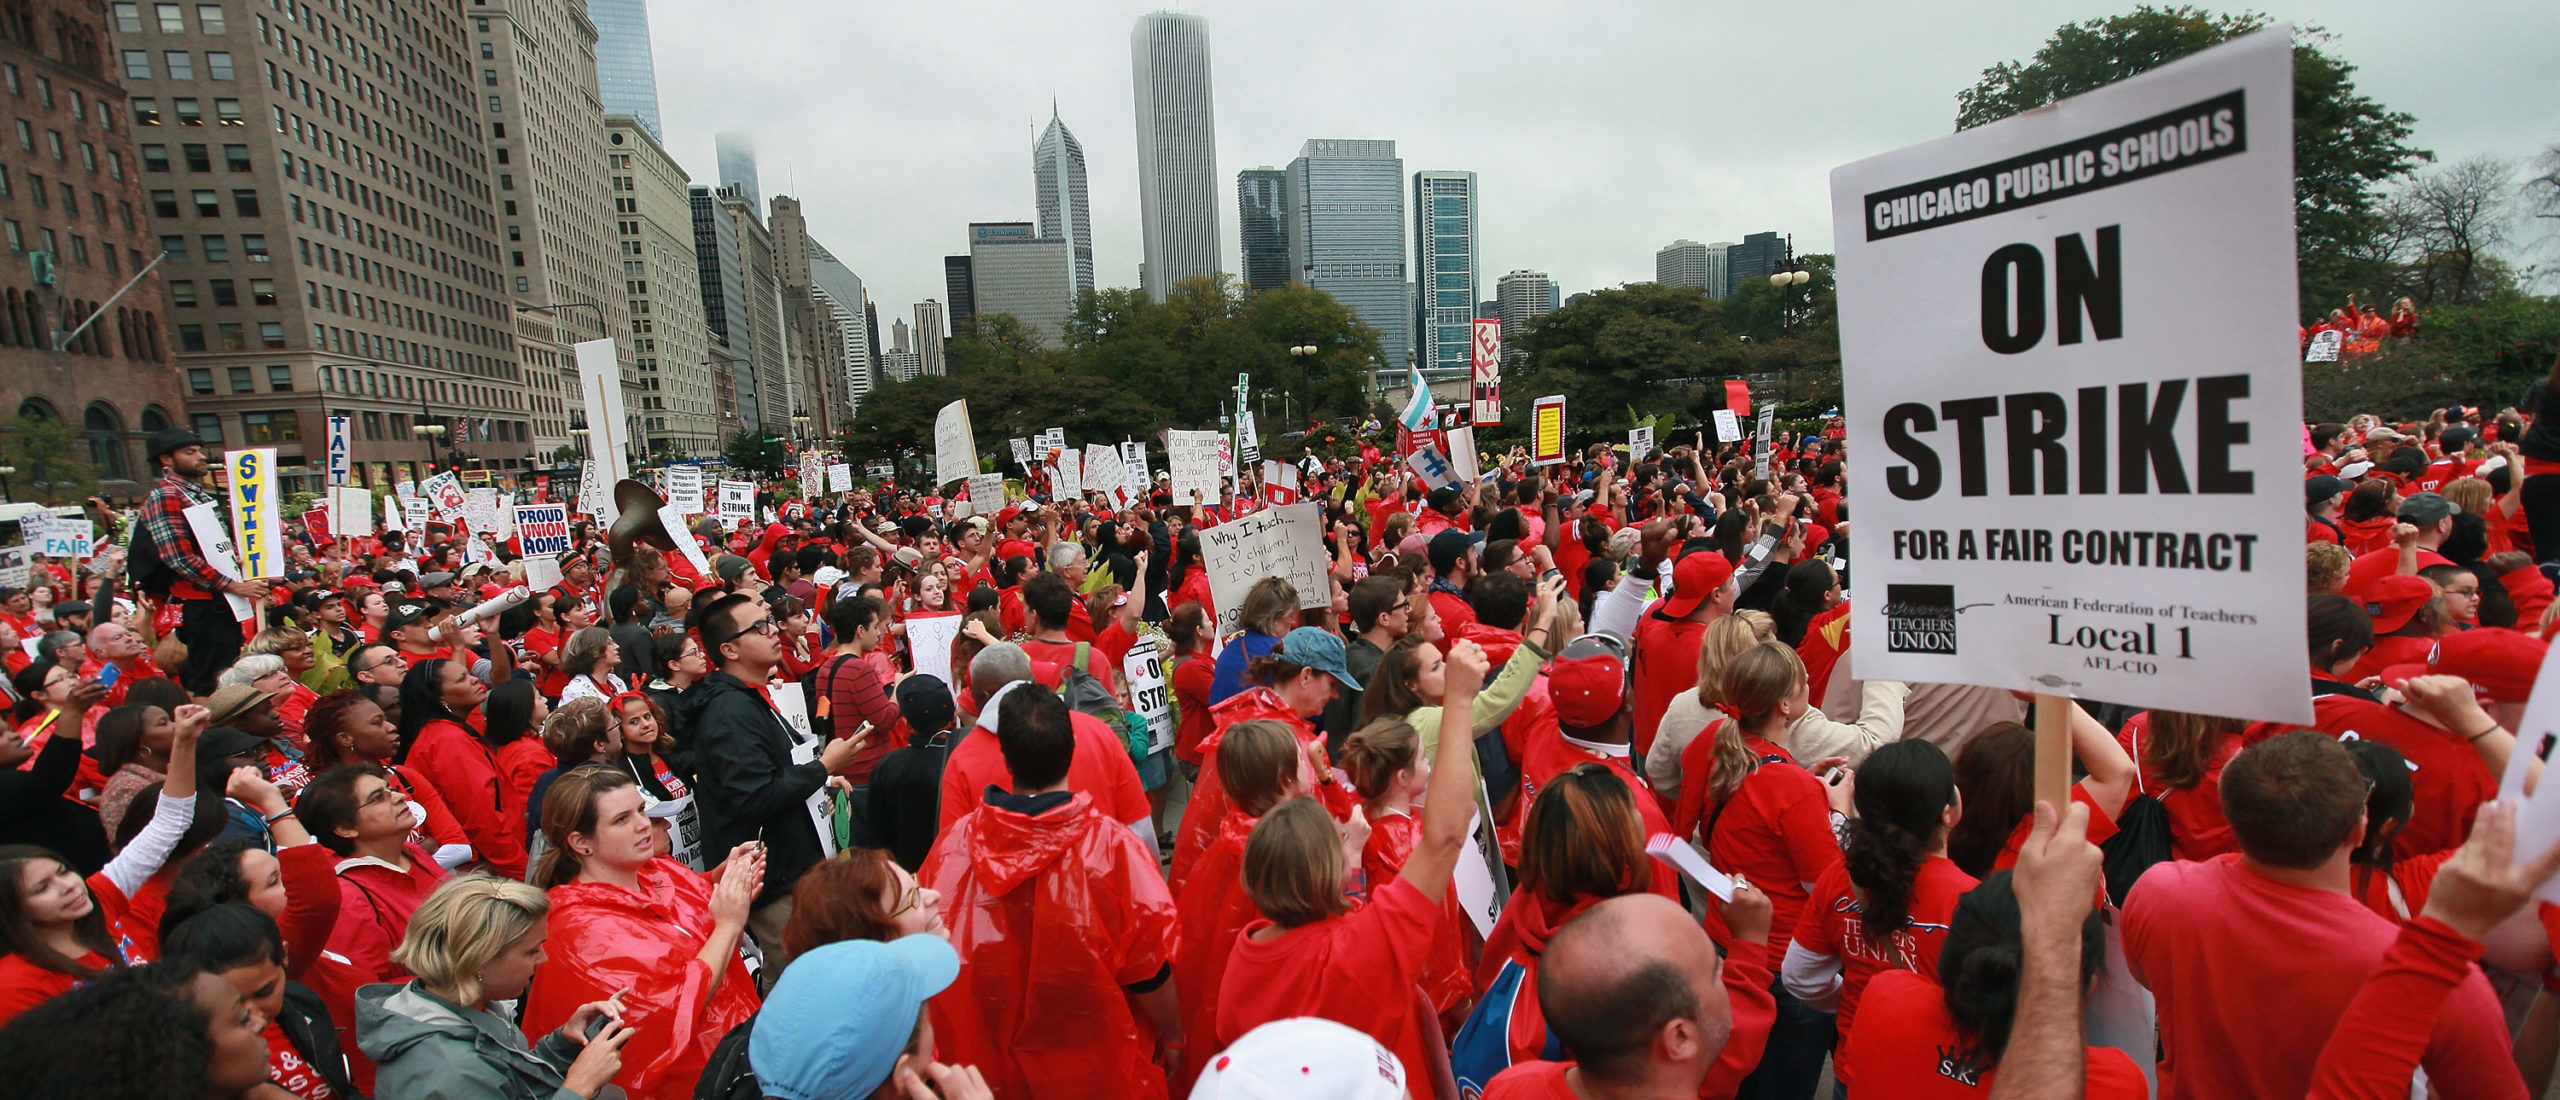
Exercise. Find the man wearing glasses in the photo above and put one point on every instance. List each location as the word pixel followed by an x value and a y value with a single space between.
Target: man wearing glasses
pixel 377 663
pixel 754 777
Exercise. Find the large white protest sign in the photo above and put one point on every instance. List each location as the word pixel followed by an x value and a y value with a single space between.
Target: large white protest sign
pixel 1103 473
pixel 737 503
pixel 1760 444
pixel 1022 453
pixel 686 543
pixel 480 510
pixel 444 492
pixel 813 476
pixel 1144 669
pixel 2068 346
pixel 929 638
pixel 1433 467
pixel 684 488
pixel 1286 542
pixel 1066 476
pixel 600 393
pixel 215 544
pixel 1462 452
pixel 257 511
pixel 1192 457
pixel 395 514
pixel 840 477
pixel 1728 426
pixel 955 450
pixel 350 511
pixel 986 493
pixel 2324 346
pixel 413 514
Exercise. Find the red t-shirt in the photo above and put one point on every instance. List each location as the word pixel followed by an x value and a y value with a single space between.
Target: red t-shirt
pixel 1666 664
pixel 1101 768
pixel 2450 779
pixel 2101 826
pixel 2197 829
pixel 1776 833
pixel 2253 974
pixel 1192 677
pixel 289 1071
pixel 24 985
pixel 1832 925
pixel 1908 1048
pixel 1362 970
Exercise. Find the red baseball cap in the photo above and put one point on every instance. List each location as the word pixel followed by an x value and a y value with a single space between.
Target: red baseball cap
pixel 2392 599
pixel 1697 577
pixel 2502 664
pixel 1587 682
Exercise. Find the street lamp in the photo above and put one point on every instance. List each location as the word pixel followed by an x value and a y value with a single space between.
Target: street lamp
pixel 1299 354
pixel 429 434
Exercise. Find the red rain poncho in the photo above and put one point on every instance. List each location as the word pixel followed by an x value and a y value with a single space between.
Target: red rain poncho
pixel 1053 916
pixel 606 938
pixel 1208 807
pixel 1214 910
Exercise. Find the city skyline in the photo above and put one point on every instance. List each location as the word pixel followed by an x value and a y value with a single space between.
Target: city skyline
pixel 1576 185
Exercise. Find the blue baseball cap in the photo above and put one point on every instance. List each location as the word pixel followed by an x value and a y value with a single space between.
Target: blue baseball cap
pixel 841 1015
pixel 1309 647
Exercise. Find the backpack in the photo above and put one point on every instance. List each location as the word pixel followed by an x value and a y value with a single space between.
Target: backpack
pixel 727 1075
pixel 1086 692
pixel 143 566
pixel 2142 836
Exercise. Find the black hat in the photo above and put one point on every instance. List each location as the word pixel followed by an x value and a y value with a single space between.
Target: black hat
pixel 925 702
pixel 405 614
pixel 169 439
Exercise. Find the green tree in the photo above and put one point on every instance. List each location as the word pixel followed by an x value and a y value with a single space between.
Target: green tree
pixel 754 451
pixel 53 464
pixel 2346 145
pixel 1643 346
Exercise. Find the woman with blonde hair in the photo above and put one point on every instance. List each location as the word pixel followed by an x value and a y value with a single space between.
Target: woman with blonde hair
pixel 478 939
pixel 632 922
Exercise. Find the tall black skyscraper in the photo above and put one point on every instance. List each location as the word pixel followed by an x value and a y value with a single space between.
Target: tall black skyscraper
pixel 1758 256
pixel 956 283
pixel 1262 219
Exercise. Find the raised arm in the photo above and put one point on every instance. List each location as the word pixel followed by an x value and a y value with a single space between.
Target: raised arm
pixel 1449 801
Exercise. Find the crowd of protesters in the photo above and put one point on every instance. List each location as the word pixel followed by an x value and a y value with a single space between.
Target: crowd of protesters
pixel 726 821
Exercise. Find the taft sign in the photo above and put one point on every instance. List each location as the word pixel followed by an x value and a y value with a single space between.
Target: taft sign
pixel 2068 349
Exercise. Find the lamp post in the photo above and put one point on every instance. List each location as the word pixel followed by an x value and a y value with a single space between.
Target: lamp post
pixel 428 434
pixel 1786 282
pixel 1300 354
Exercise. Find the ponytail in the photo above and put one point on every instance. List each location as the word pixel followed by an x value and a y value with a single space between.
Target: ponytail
pixel 1903 791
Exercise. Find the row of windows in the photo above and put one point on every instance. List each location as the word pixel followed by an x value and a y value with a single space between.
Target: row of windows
pixel 44 240
pixel 38 193
pixel 80 103
pixel 23 324
pixel 230 336
pixel 217 247
pixel 177 65
pixel 170 18
pixel 206 202
pixel 61 150
pixel 221 292
pixel 200 380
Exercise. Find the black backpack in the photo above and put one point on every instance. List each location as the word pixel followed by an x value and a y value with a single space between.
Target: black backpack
pixel 143 567
pixel 2142 837
pixel 727 1075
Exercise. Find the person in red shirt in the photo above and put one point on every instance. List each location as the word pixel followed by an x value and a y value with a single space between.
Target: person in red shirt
pixel 1260 765
pixel 1303 673
pixel 439 708
pixel 1884 908
pixel 1666 642
pixel 1454 562
pixel 1362 968
pixel 1762 817
pixel 2254 957
pixel 1065 908
pixel 353 727
pixel 1101 767
pixel 1922 1040
pixel 2181 757
pixel 1191 674
pixel 118 645
pixel 1997 775
pixel 1384 761
pixel 1630 1032
pixel 2456 749
pixel 354 811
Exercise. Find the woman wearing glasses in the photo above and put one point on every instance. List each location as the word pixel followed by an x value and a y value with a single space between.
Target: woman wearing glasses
pixel 626 920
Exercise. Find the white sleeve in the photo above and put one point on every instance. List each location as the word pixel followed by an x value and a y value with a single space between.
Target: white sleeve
pixel 1619 609
pixel 450 856
pixel 1811 978
pixel 1814 735
pixel 151 847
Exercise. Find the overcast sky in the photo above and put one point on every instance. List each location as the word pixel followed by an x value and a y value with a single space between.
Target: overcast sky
pixel 1600 131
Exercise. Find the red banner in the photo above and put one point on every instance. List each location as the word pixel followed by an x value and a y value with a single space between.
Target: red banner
pixel 1737 396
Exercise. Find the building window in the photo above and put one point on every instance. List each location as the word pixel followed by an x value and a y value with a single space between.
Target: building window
pixel 244 201
pixel 227 112
pixel 190 111
pixel 271 335
pixel 225 292
pixel 146 112
pixel 164 204
pixel 26 136
pixel 209 428
pixel 217 65
pixel 182 293
pixel 155 158
pixel 88 157
pixel 217 249
pixel 115 165
pixel 233 339
pixel 137 64
pixel 53 143
pixel 175 246
pixel 199 380
pixel 191 338
pixel 494 105
pixel 207 204
pixel 172 18
pixel 199 157
pixel 236 157
pixel 271 427
pixel 129 18
pixel 253 246
pixel 181 66
pixel 279 378
pixel 262 292
pixel 209 18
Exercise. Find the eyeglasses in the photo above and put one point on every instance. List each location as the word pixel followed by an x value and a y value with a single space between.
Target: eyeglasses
pixel 915 897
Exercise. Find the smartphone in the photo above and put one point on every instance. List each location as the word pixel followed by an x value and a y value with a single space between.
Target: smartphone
pixel 108 676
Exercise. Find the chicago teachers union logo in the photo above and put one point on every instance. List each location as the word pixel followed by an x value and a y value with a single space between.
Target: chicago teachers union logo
pixel 1920 618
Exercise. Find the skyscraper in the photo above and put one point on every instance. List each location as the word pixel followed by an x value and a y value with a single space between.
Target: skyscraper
pixel 1346 235
pixel 929 337
pixel 626 71
pixel 1262 221
pixel 1444 266
pixel 1057 177
pixel 1680 263
pixel 956 282
pixel 1759 256
pixel 1177 149
pixel 737 156
pixel 661 277
pixel 1523 297
pixel 1014 270
pixel 898 338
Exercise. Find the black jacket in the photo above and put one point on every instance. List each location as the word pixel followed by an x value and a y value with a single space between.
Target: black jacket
pixel 307 1026
pixel 904 802
pixel 746 782
pixel 36 808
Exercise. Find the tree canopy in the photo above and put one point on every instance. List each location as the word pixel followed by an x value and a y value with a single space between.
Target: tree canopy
pixel 2346 145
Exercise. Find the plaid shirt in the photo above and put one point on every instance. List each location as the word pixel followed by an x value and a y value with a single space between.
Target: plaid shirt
pixel 164 519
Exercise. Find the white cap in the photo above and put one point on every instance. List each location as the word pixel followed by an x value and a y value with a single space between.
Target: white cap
pixel 1303 1059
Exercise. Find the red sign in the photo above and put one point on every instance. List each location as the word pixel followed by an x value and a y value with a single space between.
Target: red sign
pixel 1487 396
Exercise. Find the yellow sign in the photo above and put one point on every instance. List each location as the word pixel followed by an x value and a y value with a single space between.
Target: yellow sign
pixel 257 511
pixel 1546 431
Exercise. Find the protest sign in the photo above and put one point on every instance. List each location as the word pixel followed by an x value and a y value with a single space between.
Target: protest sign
pixel 600 391
pixel 59 538
pixel 1248 441
pixel 986 493
pixel 1760 442
pixel 1192 458
pixel 1066 476
pixel 1433 467
pixel 955 448
pixel 840 477
pixel 1054 439
pixel 1022 453
pixel 929 638
pixel 1279 482
pixel 737 503
pixel 257 512
pixel 542 529
pixel 1226 458
pixel 686 543
pixel 2067 497
pixel 2324 347
pixel 444 492
pixel 813 476
pixel 341 451
pixel 1485 397
pixel 1103 473
pixel 413 514
pixel 395 514
pixel 1728 426
pixel 684 488
pixel 480 510
pixel 1546 431
pixel 1462 452
pixel 1286 542
pixel 351 510
pixel 1639 443
pixel 1148 696
pixel 1133 468
pixel 14 568
pixel 215 544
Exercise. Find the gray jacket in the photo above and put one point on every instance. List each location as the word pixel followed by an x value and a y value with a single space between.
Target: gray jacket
pixel 429 1048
